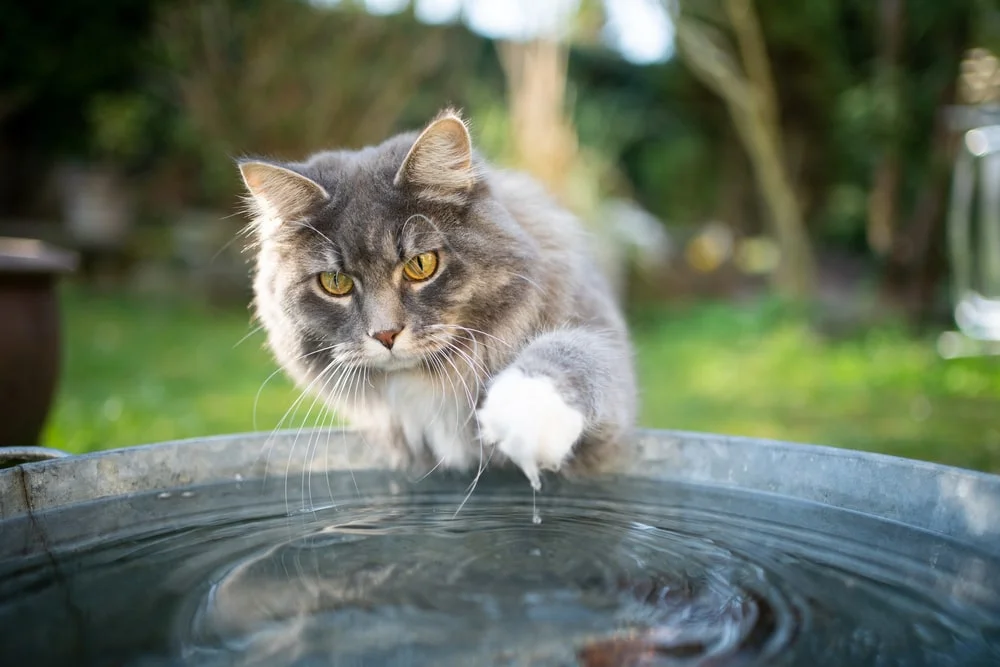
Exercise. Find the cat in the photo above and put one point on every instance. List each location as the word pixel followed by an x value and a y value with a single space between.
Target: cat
pixel 448 309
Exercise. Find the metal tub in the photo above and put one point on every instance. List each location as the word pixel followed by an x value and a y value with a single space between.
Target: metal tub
pixel 960 506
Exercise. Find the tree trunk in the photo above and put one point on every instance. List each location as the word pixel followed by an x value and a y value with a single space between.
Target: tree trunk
pixel 916 261
pixel 883 202
pixel 542 135
pixel 752 103
pixel 735 191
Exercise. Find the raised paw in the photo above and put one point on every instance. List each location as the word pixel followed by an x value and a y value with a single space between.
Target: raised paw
pixel 529 422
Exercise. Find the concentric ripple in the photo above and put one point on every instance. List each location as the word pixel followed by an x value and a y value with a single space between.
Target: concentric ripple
pixel 619 572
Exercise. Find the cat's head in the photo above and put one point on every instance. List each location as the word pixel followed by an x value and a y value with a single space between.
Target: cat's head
pixel 383 257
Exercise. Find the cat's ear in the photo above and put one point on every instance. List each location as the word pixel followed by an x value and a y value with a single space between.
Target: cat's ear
pixel 279 194
pixel 439 164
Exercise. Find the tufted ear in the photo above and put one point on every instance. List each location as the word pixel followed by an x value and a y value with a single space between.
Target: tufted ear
pixel 279 194
pixel 439 164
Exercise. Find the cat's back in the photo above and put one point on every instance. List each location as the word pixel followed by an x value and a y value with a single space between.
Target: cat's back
pixel 537 212
pixel 574 284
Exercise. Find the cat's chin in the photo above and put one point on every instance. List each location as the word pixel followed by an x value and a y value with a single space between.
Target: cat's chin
pixel 395 364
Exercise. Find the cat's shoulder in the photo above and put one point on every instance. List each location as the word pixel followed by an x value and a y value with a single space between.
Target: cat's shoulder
pixel 535 208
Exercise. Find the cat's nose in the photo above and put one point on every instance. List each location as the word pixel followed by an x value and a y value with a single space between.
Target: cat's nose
pixel 387 337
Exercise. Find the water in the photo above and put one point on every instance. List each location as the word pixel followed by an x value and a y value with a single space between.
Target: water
pixel 607 573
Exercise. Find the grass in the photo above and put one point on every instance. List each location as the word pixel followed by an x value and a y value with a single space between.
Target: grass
pixel 139 371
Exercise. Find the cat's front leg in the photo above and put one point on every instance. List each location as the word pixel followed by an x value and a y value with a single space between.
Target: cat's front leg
pixel 570 393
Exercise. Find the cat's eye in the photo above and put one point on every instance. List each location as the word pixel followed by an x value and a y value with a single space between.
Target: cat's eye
pixel 336 283
pixel 421 267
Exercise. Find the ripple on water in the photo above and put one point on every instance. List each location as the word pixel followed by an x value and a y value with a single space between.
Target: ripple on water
pixel 619 573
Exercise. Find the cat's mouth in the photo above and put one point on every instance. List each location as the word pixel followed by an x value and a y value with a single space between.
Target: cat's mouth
pixel 398 363
pixel 400 357
pixel 427 353
pixel 409 351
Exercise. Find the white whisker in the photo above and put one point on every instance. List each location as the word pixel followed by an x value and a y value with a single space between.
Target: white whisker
pixel 469 330
pixel 475 481
pixel 260 389
pixel 530 282
pixel 293 406
pixel 317 396
pixel 248 335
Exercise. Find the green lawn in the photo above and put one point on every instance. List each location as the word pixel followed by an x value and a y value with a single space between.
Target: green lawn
pixel 139 371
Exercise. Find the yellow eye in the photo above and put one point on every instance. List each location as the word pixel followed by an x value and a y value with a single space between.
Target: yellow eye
pixel 421 267
pixel 337 284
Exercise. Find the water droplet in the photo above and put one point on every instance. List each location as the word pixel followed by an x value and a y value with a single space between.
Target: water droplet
pixel 239 477
pixel 535 552
pixel 186 494
pixel 536 518
pixel 164 495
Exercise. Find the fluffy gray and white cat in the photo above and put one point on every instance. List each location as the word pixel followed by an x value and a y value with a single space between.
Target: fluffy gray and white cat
pixel 442 306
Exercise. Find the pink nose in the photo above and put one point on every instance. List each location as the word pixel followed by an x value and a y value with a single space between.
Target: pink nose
pixel 387 338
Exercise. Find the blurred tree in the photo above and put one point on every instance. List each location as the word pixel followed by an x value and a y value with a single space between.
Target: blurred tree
pixel 542 138
pixel 56 57
pixel 910 180
pixel 286 78
pixel 741 75
pixel 862 90
pixel 851 126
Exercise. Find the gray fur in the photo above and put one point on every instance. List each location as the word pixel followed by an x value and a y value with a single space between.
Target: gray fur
pixel 514 271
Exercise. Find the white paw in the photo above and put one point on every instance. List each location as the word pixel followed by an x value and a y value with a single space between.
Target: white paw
pixel 529 422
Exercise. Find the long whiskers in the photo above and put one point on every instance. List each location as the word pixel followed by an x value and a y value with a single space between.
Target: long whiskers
pixel 440 372
pixel 465 348
pixel 461 365
pixel 470 330
pixel 337 370
pixel 348 381
pixel 317 396
pixel 475 480
pixel 247 337
pixel 472 361
pixel 256 399
pixel 314 439
pixel 294 406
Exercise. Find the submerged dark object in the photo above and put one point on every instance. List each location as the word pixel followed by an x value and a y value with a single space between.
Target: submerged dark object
pixel 299 550
pixel 29 336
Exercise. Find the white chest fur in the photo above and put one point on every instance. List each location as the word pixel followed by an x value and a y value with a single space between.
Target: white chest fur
pixel 437 416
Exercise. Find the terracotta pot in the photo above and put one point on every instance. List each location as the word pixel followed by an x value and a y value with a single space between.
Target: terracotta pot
pixel 29 336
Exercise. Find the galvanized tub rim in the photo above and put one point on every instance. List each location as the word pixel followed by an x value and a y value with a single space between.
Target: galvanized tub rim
pixel 954 502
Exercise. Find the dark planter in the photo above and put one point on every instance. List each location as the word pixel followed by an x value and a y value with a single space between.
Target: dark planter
pixel 29 336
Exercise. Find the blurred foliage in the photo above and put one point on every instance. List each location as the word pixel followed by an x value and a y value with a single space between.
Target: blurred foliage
pixel 834 110
pixel 58 56
pixel 140 370
pixel 761 370
pixel 119 125
pixel 175 89
pixel 245 84
pixel 189 85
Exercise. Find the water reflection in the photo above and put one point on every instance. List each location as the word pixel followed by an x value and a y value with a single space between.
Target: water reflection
pixel 618 572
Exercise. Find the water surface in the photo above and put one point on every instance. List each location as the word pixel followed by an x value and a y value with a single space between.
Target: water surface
pixel 367 569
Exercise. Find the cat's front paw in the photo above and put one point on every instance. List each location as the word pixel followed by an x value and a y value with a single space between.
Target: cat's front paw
pixel 527 419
